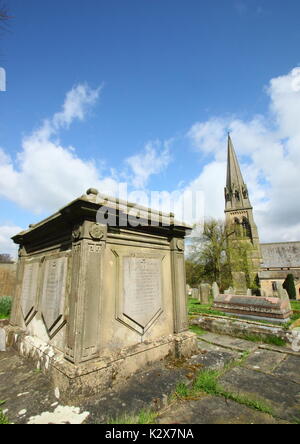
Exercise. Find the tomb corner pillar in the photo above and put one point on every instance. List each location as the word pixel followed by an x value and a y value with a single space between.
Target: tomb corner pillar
pixel 83 326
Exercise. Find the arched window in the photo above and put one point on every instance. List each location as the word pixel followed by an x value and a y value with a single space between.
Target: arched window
pixel 246 228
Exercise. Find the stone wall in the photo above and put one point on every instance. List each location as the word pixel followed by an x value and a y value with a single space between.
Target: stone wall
pixel 7 279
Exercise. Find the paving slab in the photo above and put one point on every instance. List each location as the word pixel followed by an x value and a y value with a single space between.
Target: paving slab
pixel 264 360
pixel 214 410
pixel 282 395
pixel 289 369
pixel 214 359
pixel 149 389
pixel 25 390
pixel 229 342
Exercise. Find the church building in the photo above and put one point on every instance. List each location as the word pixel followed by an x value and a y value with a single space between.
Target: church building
pixel 271 262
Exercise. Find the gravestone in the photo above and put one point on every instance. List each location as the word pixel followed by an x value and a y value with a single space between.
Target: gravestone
pixel 205 290
pixel 102 290
pixel 282 293
pixel 230 290
pixel 215 290
pixel 239 282
pixel 2 340
pixel 195 293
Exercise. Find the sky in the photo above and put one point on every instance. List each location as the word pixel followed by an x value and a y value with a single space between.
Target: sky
pixel 143 92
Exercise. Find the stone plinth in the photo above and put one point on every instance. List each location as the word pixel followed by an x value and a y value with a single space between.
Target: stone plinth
pixel 101 290
pixel 254 307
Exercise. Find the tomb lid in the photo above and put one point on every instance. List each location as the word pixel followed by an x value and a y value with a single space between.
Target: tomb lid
pixel 87 207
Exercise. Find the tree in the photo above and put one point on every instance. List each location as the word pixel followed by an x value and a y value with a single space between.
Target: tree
pixel 208 252
pixel 6 259
pixel 289 286
pixel 215 254
pixel 194 271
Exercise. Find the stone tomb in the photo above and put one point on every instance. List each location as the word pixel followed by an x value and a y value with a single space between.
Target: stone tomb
pixel 254 307
pixel 97 300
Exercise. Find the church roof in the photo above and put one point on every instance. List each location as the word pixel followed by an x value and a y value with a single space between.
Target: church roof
pixel 281 255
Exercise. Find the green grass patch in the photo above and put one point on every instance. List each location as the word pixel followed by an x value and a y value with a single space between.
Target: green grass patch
pixel 271 340
pixel 295 305
pixel 195 329
pixel 143 417
pixel 3 418
pixel 207 382
pixel 5 307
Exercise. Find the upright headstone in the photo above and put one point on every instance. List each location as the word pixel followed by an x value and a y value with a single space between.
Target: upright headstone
pixel 249 292
pixel 229 291
pixel 215 290
pixel 204 291
pixel 282 293
pixel 195 293
pixel 239 282
pixel 2 340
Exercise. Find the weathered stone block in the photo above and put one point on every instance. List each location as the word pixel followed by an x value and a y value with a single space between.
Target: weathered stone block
pixel 90 291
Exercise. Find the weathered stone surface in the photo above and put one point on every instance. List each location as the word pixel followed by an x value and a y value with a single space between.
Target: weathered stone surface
pixel 53 294
pixel 2 340
pixel 204 290
pixel 264 360
pixel 142 289
pixel 195 293
pixel 29 287
pixel 289 369
pixel 239 282
pixel 213 360
pixel 215 290
pixel 31 398
pixel 273 309
pixel 281 394
pixel 7 279
pixel 98 280
pixel 241 328
pixel 229 342
pixel 214 410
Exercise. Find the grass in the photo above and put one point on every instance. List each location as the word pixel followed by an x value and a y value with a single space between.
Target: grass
pixel 207 381
pixel 143 417
pixel 195 329
pixel 271 340
pixel 5 307
pixel 295 305
pixel 3 418
pixel 194 307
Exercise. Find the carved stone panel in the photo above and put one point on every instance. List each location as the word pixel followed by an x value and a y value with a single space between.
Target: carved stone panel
pixel 142 291
pixel 53 295
pixel 29 290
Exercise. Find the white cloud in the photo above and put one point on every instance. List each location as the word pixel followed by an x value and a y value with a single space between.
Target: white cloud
pixel 47 175
pixel 271 145
pixel 152 160
pixel 6 244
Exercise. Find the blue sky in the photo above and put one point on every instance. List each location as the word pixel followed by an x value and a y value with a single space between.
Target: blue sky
pixel 162 81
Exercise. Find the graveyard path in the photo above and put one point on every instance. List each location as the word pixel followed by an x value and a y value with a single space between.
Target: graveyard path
pixel 267 377
pixel 247 372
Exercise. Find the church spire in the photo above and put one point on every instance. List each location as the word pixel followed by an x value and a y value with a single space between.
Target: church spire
pixel 236 193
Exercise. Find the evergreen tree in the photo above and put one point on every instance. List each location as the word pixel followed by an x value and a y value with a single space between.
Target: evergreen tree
pixel 289 286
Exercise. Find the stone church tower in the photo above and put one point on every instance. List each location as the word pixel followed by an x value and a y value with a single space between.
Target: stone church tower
pixel 239 221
